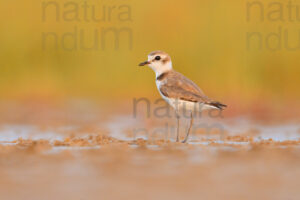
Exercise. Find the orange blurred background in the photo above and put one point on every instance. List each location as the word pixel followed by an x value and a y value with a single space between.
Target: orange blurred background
pixel 235 51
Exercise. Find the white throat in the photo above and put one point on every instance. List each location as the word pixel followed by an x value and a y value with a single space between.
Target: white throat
pixel 160 69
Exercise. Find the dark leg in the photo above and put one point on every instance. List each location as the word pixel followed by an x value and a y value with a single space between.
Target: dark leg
pixel 187 135
pixel 178 117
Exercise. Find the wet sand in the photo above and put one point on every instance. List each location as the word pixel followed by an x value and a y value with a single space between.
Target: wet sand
pixel 50 155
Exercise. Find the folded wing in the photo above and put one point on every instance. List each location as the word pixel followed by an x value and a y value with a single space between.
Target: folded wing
pixel 178 86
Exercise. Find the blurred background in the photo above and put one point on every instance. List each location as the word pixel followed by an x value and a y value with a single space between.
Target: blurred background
pixel 69 73
pixel 243 53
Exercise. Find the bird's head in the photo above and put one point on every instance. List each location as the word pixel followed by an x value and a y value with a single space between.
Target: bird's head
pixel 159 61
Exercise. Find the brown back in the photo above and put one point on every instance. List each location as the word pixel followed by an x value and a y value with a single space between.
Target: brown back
pixel 176 85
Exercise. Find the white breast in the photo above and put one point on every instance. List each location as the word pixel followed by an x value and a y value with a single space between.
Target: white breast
pixel 158 84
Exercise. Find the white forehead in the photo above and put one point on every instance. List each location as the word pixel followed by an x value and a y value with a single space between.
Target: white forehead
pixel 152 55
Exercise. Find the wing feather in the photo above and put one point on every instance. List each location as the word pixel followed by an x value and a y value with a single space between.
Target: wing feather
pixel 177 86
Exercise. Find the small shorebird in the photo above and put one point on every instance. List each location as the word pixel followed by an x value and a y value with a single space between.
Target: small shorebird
pixel 180 92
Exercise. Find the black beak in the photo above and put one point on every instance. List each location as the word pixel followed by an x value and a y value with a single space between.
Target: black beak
pixel 144 63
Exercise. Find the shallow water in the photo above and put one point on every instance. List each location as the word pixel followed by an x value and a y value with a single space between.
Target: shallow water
pixel 121 126
pixel 92 159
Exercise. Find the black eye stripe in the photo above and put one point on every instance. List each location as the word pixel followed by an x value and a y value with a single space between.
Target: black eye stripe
pixel 157 57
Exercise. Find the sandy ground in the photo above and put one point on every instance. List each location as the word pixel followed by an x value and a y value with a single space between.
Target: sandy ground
pixel 83 154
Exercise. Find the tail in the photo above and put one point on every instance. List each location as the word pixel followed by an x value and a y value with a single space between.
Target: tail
pixel 218 105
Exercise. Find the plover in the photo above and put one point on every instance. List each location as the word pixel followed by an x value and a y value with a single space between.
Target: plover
pixel 177 90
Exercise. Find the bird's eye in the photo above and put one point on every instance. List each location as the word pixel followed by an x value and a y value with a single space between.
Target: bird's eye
pixel 157 57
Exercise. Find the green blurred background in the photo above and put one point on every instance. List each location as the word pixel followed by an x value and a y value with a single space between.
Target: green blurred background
pixel 207 41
